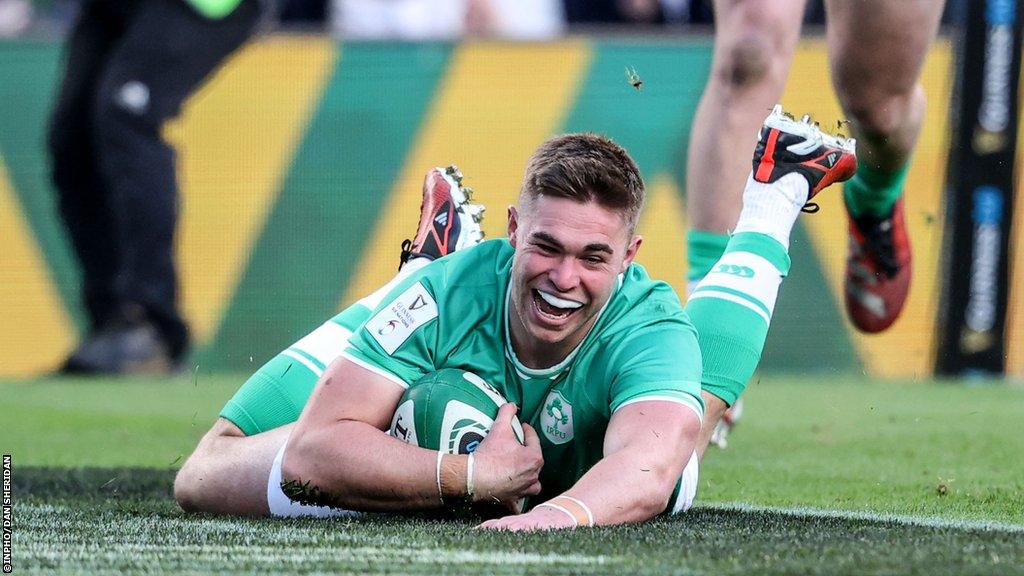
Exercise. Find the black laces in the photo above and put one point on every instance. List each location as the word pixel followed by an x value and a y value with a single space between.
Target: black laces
pixel 878 242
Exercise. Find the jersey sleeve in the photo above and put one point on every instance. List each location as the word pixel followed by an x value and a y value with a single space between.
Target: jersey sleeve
pixel 659 362
pixel 399 339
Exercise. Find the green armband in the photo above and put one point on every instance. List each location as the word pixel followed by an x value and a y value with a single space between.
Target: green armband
pixel 214 9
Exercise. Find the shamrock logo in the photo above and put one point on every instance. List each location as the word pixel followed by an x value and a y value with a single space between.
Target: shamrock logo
pixel 555 411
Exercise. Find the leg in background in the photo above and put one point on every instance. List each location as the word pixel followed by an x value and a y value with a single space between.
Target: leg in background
pixel 876 51
pixel 166 52
pixel 733 305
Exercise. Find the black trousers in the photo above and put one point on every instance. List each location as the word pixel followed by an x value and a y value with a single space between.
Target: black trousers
pixel 129 66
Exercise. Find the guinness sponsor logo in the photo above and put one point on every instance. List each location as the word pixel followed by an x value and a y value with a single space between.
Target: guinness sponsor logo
pixel 982 303
pixel 997 82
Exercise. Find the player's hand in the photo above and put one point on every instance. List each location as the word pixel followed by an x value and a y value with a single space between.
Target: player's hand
pixel 540 518
pixel 505 470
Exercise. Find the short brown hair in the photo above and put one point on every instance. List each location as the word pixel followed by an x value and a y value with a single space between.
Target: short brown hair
pixel 586 167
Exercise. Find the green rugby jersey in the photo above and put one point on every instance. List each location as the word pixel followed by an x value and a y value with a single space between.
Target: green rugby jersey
pixel 452 314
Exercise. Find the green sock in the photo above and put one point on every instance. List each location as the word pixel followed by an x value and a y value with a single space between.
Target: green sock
pixel 874 192
pixel 731 309
pixel 703 249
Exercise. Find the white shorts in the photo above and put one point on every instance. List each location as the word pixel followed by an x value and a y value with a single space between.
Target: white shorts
pixel 687 486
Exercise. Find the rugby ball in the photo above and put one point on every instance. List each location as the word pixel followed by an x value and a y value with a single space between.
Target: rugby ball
pixel 450 410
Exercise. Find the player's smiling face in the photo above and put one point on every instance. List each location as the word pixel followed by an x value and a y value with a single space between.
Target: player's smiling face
pixel 567 262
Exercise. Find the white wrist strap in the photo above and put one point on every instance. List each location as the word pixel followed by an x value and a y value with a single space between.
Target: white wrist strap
pixel 573 507
pixel 586 509
pixel 571 516
pixel 469 476
pixel 440 494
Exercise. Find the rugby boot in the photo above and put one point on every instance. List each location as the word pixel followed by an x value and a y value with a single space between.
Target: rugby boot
pixel 126 344
pixel 878 269
pixel 786 145
pixel 448 221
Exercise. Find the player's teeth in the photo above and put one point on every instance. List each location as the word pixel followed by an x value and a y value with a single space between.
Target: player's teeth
pixel 806 119
pixel 558 302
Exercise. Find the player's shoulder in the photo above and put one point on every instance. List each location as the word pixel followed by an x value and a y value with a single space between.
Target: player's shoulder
pixel 642 312
pixel 640 300
pixel 470 282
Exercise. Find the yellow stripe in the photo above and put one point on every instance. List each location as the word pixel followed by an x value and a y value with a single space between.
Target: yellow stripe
pixel 1015 315
pixel 236 140
pixel 494 106
pixel 37 332
pixel 906 349
pixel 663 227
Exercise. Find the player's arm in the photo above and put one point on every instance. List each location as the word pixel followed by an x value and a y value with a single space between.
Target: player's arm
pixel 341 455
pixel 646 446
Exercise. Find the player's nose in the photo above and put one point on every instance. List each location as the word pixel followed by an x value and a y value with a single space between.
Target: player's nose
pixel 564 275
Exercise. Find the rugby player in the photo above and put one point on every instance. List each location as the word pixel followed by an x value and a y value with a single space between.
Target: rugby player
pixel 876 51
pixel 604 365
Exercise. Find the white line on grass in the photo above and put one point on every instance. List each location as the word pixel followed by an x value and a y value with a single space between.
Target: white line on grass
pixel 77 552
pixel 923 521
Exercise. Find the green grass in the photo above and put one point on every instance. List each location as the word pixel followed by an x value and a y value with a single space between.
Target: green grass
pixel 824 475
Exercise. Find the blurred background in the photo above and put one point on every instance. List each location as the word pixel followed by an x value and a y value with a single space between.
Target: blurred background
pixel 300 161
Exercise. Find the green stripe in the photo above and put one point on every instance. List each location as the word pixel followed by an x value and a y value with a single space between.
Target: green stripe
pixel 761 245
pixel 707 286
pixel 30 80
pixel 653 123
pixel 350 157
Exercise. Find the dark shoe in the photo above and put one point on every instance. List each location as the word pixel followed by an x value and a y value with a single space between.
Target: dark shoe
pixel 878 270
pixel 121 347
pixel 448 222
pixel 786 145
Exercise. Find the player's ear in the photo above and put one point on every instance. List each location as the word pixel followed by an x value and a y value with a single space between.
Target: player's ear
pixel 513 225
pixel 631 249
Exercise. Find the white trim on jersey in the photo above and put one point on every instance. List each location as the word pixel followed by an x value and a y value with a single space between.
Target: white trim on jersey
pixel 325 343
pixel 304 361
pixel 688 401
pixel 376 369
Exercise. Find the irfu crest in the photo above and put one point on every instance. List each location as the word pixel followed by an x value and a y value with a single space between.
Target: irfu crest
pixel 556 418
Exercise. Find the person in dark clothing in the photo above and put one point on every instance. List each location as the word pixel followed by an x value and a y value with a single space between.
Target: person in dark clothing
pixel 128 67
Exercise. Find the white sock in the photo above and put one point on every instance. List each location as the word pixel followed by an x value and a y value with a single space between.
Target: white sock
pixel 772 209
pixel 371 301
pixel 413 265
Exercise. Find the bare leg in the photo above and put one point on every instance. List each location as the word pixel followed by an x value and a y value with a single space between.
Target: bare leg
pixel 876 51
pixel 754 43
pixel 714 407
pixel 227 473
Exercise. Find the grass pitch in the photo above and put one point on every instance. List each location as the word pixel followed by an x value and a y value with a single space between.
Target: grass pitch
pixel 823 476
